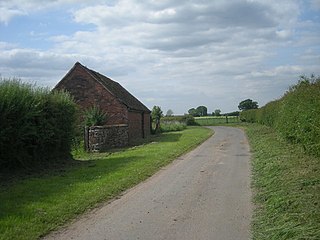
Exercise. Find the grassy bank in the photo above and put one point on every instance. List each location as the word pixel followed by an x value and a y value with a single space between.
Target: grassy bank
pixel 32 207
pixel 295 116
pixel 286 184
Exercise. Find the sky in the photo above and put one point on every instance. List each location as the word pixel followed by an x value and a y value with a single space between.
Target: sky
pixel 171 53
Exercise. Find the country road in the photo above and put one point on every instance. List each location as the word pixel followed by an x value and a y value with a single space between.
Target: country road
pixel 204 194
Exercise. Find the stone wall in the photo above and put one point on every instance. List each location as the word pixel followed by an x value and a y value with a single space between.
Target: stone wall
pixel 102 138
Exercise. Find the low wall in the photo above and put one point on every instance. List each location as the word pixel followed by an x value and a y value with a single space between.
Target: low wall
pixel 102 138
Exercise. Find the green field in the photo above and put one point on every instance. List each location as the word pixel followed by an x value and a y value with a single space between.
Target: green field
pixel 210 120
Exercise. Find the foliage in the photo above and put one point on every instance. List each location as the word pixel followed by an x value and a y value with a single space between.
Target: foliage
pixel 212 121
pixel 185 119
pixel 190 121
pixel 247 104
pixel 198 112
pixel 286 185
pixel 236 113
pixel 156 113
pixel 193 112
pixel 295 116
pixel 36 126
pixel 172 126
pixel 169 113
pixel 156 116
pixel 217 113
pixel 31 208
pixel 95 116
pixel 202 111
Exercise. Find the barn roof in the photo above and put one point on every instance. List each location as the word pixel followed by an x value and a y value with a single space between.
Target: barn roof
pixel 116 90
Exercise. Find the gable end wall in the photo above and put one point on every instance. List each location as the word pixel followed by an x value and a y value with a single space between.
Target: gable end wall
pixel 87 92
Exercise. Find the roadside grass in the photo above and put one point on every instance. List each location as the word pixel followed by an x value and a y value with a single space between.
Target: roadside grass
pixel 217 120
pixel 170 126
pixel 286 185
pixel 31 208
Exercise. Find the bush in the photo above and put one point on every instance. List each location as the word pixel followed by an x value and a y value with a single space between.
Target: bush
pixel 300 115
pixel 94 116
pixel 295 116
pixel 186 119
pixel 171 126
pixel 35 125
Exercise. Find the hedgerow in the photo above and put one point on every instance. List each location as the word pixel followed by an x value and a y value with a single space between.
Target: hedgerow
pixel 36 125
pixel 185 119
pixel 295 116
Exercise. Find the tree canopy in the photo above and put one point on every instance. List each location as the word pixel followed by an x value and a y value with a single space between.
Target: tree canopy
pixel 216 112
pixel 169 113
pixel 156 115
pixel 202 111
pixel 247 104
pixel 199 111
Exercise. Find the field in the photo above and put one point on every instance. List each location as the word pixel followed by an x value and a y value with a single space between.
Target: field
pixel 210 121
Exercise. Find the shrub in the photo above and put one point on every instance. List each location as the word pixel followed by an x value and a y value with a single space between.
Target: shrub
pixel 186 119
pixel 170 126
pixel 295 116
pixel 94 116
pixel 300 115
pixel 35 125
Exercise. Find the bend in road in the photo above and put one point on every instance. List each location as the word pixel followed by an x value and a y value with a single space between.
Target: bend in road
pixel 204 194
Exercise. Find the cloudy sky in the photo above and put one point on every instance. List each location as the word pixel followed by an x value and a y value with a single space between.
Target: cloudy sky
pixel 172 53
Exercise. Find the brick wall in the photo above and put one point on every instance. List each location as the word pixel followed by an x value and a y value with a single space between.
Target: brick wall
pixel 147 124
pixel 87 93
pixel 139 125
pixel 135 126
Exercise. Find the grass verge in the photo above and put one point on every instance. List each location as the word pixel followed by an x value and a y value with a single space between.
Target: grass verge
pixel 286 185
pixel 33 207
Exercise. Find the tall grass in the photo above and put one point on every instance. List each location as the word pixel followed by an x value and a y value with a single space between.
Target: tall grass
pixel 286 185
pixel 171 126
pixel 35 124
pixel 215 120
pixel 295 116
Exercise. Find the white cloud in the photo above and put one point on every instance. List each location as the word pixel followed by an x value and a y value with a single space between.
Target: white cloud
pixel 7 14
pixel 13 8
pixel 178 54
pixel 315 4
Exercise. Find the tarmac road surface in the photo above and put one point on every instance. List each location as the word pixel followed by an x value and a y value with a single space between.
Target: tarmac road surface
pixel 204 194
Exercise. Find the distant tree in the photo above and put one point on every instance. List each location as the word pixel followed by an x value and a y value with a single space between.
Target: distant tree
pixel 169 113
pixel 202 111
pixel 236 113
pixel 217 112
pixel 193 112
pixel 156 115
pixel 247 104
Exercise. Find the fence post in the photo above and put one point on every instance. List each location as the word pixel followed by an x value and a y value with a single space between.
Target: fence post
pixel 86 139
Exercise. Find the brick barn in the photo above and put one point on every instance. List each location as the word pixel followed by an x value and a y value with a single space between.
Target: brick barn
pixel 90 88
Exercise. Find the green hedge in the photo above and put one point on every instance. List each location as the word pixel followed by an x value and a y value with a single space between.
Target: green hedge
pixel 185 119
pixel 296 115
pixel 36 125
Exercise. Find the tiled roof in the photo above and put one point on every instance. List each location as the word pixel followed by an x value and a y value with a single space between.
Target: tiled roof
pixel 117 90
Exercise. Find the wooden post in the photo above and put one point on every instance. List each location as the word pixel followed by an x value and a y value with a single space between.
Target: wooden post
pixel 86 139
